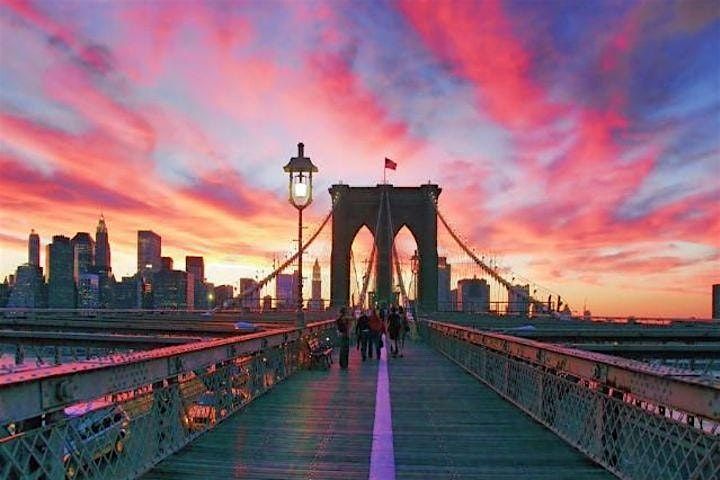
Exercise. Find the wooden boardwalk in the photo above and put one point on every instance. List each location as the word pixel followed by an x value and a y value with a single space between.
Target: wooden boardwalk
pixel 319 425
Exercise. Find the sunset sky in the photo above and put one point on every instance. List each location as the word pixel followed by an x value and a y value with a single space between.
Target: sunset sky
pixel 578 142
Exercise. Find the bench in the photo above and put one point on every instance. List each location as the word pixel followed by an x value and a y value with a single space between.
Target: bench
pixel 319 354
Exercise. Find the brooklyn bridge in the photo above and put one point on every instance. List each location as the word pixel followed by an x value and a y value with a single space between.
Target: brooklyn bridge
pixel 519 388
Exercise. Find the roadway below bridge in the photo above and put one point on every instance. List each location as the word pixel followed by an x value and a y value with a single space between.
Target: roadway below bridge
pixel 429 420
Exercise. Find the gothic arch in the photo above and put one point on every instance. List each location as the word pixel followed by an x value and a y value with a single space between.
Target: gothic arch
pixel 409 206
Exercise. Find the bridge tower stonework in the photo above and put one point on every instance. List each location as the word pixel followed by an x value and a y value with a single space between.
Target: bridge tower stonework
pixel 409 206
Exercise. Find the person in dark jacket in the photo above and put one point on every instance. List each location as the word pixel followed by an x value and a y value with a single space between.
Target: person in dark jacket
pixel 343 326
pixel 362 332
pixel 394 326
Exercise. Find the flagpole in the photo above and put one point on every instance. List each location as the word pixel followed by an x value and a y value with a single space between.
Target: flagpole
pixel 384 171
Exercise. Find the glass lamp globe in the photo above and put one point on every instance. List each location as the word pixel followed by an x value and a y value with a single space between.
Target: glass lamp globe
pixel 300 170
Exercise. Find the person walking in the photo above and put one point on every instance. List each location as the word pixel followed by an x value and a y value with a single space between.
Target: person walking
pixel 394 326
pixel 362 332
pixel 377 328
pixel 404 330
pixel 343 327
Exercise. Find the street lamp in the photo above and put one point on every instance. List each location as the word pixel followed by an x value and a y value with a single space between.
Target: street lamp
pixel 300 169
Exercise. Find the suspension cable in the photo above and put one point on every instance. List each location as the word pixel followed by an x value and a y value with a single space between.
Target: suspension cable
pixel 489 270
pixel 373 253
pixel 255 288
pixel 394 249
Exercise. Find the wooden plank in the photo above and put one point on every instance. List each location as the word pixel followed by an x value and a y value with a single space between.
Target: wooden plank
pixel 319 424
pixel 446 424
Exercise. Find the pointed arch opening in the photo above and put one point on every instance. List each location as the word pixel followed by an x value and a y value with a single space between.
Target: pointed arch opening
pixel 362 273
pixel 406 266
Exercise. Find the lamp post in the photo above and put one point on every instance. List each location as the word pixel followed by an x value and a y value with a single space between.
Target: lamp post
pixel 300 169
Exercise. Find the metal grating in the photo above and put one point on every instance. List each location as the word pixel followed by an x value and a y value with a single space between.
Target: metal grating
pixel 633 437
pixel 123 434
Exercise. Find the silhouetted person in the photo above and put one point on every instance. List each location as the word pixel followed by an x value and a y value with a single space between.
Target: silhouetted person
pixel 362 332
pixel 343 326
pixel 377 328
pixel 404 330
pixel 394 326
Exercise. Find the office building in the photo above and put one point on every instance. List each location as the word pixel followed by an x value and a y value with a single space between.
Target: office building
pixel 316 302
pixel 102 246
pixel 444 275
pixel 29 289
pixel 519 300
pixel 148 252
pixel 716 301
pixel 88 290
pixel 59 271
pixel 196 266
pixel 127 293
pixel 34 249
pixel 83 247
pixel 5 290
pixel 166 263
pixel 473 295
pixel 173 290
pixel 223 295
pixel 286 291
pixel 252 300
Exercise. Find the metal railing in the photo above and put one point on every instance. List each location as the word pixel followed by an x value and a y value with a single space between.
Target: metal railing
pixel 118 419
pixel 637 421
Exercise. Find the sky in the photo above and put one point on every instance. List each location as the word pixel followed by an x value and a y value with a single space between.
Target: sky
pixel 577 143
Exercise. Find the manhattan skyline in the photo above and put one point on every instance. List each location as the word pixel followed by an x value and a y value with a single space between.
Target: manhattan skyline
pixel 577 141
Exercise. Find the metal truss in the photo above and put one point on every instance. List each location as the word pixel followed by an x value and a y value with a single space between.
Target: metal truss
pixel 637 422
pixel 118 420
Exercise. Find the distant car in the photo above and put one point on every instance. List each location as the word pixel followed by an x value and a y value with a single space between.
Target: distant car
pixel 205 412
pixel 99 433
pixel 246 327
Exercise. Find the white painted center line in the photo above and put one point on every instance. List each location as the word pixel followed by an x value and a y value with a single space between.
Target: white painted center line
pixel 382 457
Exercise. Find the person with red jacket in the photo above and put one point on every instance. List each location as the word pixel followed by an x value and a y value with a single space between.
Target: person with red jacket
pixel 377 328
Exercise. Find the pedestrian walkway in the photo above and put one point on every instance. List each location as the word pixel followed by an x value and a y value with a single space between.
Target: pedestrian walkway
pixel 448 425
pixel 320 424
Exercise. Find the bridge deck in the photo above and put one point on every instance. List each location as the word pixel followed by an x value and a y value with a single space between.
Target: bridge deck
pixel 319 425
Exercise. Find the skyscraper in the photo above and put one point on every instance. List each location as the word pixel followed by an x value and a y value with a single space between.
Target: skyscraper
pixel 166 263
pixel 223 295
pixel 716 301
pixel 196 266
pixel 444 275
pixel 61 287
pixel 148 251
pixel 473 295
pixel 173 289
pixel 88 290
pixel 102 246
pixel 29 289
pixel 34 249
pixel 285 294
pixel 251 301
pixel 127 293
pixel 316 302
pixel 519 300
pixel 83 248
